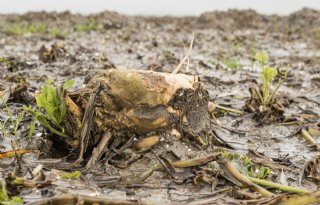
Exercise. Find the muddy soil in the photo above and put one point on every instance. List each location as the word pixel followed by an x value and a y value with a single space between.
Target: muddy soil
pixel 224 47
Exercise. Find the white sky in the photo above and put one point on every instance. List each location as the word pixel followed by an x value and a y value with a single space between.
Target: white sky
pixel 157 7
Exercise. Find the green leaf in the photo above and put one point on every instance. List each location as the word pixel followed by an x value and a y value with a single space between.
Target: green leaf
pixel 14 201
pixel 261 57
pixel 245 166
pixel 68 84
pixel 54 105
pixel 31 129
pixel 18 121
pixel 18 181
pixel 72 175
pixel 269 73
pixel 39 116
pixel 262 172
pixel 49 81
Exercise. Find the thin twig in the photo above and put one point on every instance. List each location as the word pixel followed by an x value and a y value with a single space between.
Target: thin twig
pixel 186 57
pixel 229 129
pixel 164 166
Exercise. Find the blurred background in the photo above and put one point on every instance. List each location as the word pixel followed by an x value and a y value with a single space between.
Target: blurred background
pixel 157 7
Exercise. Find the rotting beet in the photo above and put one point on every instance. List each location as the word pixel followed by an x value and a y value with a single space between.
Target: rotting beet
pixel 139 102
pixel 143 101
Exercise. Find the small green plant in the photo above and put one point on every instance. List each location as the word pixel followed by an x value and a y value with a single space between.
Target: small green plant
pixel 39 27
pixel 245 165
pixel 127 33
pixel 15 122
pixel 22 28
pixel 12 64
pixel 33 28
pixel 168 55
pixel 3 59
pixel 52 107
pixel 232 63
pixel 267 77
pixel 57 32
pixel 90 25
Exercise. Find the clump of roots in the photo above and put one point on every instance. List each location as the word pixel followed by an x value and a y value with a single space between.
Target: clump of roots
pixel 266 113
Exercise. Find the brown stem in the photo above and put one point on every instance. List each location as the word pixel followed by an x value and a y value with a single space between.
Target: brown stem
pixel 194 162
pixel 73 108
pixel 177 164
pixel 310 139
pixel 97 151
pixel 86 124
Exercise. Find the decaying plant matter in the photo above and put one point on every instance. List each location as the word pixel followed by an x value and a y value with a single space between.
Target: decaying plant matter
pixel 52 53
pixel 312 169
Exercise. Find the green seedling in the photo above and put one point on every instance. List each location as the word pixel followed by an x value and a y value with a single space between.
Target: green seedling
pixel 90 25
pixel 8 112
pixel 52 107
pixel 11 64
pixel 3 59
pixel 18 121
pixel 42 118
pixel 267 77
pixel 39 27
pixel 14 122
pixel 168 54
pixel 32 128
pixel 34 28
pixel 57 32
pixel 245 166
pixel 20 28
pixel 232 63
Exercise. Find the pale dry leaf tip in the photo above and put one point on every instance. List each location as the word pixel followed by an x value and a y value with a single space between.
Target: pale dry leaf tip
pixel 186 57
